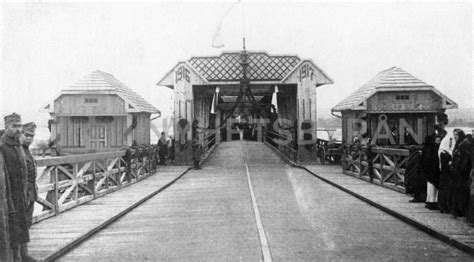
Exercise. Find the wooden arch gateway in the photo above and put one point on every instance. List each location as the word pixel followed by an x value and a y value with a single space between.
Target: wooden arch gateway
pixel 217 91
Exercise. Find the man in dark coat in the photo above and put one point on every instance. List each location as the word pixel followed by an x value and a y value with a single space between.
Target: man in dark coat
pixel 197 151
pixel 162 148
pixel 31 193
pixel 16 181
pixel 172 151
pixel 470 210
pixel 444 191
pixel 461 168
pixel 28 136
pixel 415 182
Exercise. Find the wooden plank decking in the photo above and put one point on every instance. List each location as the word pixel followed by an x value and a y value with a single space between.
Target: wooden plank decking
pixel 208 215
pixel 53 234
pixel 397 202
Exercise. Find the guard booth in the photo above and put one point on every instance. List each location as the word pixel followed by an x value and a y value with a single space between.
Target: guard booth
pixel 216 95
pixel 385 117
pixel 99 113
pixel 390 107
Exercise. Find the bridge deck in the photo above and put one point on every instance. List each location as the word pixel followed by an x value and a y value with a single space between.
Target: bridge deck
pixel 209 214
pixel 456 229
pixel 50 235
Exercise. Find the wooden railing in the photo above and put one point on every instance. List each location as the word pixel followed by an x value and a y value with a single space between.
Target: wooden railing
pixel 384 166
pixel 209 140
pixel 279 142
pixel 68 181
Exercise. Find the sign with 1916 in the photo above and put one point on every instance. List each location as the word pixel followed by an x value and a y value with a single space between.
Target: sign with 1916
pixel 182 73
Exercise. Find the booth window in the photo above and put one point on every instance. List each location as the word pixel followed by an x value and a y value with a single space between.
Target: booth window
pixel 91 100
pixel 403 97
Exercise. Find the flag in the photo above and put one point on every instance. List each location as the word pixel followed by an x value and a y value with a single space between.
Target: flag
pixel 274 99
pixel 215 100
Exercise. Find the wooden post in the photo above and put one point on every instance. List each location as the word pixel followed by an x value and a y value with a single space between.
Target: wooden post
pixel 56 191
pixel 218 128
pixel 76 182
pixel 382 162
pixel 370 163
pixel 94 181
pixel 396 160
pixel 5 254
pixel 360 153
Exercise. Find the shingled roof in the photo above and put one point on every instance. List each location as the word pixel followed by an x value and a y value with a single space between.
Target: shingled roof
pixel 102 82
pixel 392 79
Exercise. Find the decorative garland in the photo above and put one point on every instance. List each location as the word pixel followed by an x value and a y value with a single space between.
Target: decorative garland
pixel 134 122
pixel 104 119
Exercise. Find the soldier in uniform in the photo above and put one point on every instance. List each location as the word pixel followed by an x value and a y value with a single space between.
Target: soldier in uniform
pixel 16 177
pixel 162 148
pixel 197 151
pixel 31 196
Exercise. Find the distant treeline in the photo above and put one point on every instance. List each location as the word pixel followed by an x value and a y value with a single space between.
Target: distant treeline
pixel 461 122
pixel 461 117
pixel 329 122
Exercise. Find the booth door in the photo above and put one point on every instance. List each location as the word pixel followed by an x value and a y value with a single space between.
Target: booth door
pixel 98 136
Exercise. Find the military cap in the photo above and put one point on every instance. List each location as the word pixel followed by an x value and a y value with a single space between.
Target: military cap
pixel 13 118
pixel 29 128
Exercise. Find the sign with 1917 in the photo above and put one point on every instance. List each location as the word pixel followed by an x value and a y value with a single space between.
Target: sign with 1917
pixel 306 71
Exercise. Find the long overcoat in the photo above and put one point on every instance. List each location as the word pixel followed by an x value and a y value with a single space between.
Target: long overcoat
pixel 16 182
pixel 31 194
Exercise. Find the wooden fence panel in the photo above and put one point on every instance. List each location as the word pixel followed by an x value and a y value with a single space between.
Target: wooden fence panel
pixel 69 181
pixel 384 166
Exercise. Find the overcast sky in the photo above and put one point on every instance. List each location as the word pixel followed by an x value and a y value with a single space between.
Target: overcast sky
pixel 48 46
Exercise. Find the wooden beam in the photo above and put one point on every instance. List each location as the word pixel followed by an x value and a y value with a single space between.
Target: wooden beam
pixel 231 90
pixel 218 128
pixel 227 106
pixel 77 158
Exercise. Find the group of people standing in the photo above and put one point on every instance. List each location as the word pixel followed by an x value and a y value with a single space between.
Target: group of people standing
pixel 165 149
pixel 440 174
pixel 19 168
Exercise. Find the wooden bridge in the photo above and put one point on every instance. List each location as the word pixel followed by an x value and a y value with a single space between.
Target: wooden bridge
pixel 256 200
pixel 249 203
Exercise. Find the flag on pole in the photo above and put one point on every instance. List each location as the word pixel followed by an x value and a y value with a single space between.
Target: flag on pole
pixel 274 99
pixel 215 101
